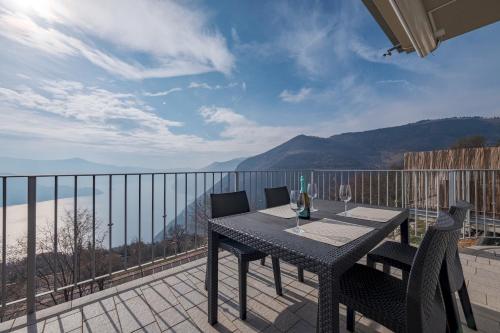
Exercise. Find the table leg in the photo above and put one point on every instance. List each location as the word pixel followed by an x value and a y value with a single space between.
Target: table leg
pixel 213 279
pixel 405 232
pixel 328 304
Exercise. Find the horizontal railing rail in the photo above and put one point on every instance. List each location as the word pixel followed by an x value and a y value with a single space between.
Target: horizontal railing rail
pixel 67 235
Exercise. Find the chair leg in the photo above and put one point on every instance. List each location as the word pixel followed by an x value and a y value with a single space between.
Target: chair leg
pixel 452 312
pixel 242 278
pixel 350 319
pixel 263 261
pixel 277 275
pixel 206 277
pixel 450 304
pixel 466 306
pixel 300 274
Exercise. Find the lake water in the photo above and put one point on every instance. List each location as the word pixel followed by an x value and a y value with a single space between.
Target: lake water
pixel 164 195
pixel 165 192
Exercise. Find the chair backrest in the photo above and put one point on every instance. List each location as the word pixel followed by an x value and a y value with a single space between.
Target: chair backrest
pixel 277 196
pixel 459 210
pixel 224 204
pixel 425 307
pixel 454 269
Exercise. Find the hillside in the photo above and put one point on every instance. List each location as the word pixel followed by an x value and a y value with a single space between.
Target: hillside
pixel 224 166
pixel 380 148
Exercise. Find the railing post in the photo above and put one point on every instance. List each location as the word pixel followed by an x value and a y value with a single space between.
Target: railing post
pixel 451 188
pixel 236 181
pixel 31 259
pixel 403 184
pixel 4 247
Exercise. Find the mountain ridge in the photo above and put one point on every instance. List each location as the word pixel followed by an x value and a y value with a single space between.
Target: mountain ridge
pixel 377 148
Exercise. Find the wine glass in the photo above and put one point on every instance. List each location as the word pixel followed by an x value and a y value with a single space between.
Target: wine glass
pixel 345 195
pixel 312 190
pixel 297 205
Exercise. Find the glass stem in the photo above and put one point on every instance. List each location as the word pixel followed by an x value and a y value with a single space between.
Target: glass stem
pixel 297 220
pixel 345 208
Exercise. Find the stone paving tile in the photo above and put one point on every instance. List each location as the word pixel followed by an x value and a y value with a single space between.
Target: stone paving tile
pixel 97 308
pixel 191 299
pixel 107 322
pixel 181 288
pixel 184 327
pixel 159 297
pixel 69 322
pixel 301 327
pixel 171 317
pixel 253 323
pixel 151 328
pixel 134 313
pixel 35 328
pixel 198 315
pixel 171 280
pixel 308 313
pixel 286 320
pixel 126 295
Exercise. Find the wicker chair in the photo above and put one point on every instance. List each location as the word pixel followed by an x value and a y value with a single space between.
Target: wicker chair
pixel 393 254
pixel 415 305
pixel 232 203
pixel 279 196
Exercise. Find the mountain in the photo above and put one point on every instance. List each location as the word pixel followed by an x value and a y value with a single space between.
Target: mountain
pixel 380 148
pixel 230 165
pixel 19 166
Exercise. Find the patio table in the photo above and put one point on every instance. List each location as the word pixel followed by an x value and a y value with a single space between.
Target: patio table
pixel 267 233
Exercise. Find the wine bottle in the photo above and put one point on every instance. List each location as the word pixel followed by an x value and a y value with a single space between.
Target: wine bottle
pixel 306 213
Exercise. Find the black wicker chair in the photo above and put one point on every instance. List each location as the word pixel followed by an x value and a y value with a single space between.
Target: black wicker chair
pixel 225 204
pixel 415 305
pixel 394 254
pixel 279 196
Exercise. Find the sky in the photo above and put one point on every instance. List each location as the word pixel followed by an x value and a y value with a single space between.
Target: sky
pixel 179 84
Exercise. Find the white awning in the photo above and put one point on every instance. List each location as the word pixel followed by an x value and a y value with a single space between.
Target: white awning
pixel 420 25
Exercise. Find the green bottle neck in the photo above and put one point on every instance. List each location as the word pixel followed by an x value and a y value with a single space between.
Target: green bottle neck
pixel 302 184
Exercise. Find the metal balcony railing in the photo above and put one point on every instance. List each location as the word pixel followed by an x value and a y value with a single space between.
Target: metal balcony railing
pixel 64 236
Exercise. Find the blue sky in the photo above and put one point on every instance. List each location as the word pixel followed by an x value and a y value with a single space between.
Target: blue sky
pixel 165 84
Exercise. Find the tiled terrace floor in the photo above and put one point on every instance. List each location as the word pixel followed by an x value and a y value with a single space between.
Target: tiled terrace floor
pixel 175 301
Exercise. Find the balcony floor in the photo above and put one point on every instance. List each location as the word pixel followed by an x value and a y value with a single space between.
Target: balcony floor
pixel 175 301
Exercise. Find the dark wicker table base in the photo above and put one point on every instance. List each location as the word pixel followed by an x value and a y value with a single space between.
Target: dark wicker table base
pixel 266 234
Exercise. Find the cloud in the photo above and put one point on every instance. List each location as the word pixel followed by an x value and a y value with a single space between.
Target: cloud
pixel 234 35
pixel 241 132
pixel 176 38
pixel 371 106
pixel 196 85
pixel 75 115
pixel 315 35
pixel 324 39
pixel 93 106
pixel 204 85
pixel 291 97
pixel 222 115
pixel 162 93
